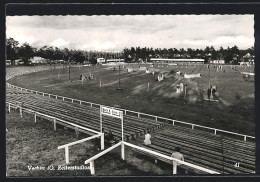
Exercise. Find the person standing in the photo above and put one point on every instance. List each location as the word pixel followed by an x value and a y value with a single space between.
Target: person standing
pixel 147 138
pixel 178 155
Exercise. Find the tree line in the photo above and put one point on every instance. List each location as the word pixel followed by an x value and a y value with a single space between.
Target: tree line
pixel 25 52
pixel 230 54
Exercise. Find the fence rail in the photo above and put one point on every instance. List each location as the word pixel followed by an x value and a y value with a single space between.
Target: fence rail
pixel 55 120
pixel 171 158
pixel 139 114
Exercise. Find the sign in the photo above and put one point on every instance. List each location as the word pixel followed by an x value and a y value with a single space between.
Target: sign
pixel 112 112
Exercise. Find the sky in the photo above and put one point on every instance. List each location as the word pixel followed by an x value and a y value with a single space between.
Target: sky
pixel 114 33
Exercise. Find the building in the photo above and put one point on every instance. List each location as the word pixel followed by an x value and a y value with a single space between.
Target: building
pixel 217 61
pixel 111 61
pixel 101 60
pixel 177 61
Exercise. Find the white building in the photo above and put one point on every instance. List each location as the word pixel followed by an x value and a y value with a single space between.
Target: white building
pixel 101 60
pixel 115 61
pixel 217 61
pixel 177 61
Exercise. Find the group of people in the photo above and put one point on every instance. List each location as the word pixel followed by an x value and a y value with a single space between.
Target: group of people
pixel 89 77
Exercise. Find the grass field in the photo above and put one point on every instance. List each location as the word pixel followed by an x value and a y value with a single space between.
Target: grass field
pixel 36 144
pixel 235 111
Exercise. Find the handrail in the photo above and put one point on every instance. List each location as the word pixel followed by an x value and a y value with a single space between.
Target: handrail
pixel 171 158
pixel 80 141
pixel 102 153
pixel 125 110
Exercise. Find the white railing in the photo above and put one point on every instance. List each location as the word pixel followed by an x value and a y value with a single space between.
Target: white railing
pixel 66 146
pixel 55 120
pixel 92 159
pixel 122 143
pixel 175 161
pixel 139 114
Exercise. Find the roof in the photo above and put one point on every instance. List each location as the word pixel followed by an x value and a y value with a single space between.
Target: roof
pixel 115 60
pixel 177 60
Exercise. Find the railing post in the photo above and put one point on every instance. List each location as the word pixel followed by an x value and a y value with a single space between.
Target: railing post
pixel 71 100
pixel 92 167
pixel 63 98
pixel 215 132
pixel 49 95
pixel 245 138
pixel 174 169
pixel 123 150
pixel 56 97
pixel 173 122
pixel 90 104
pixel 138 115
pixel 21 113
pixel 54 123
pixel 192 126
pixel 80 102
pixel 125 111
pixel 67 154
pixel 9 108
pixel 35 117
pixel 156 118
pixel 77 132
pixel 102 141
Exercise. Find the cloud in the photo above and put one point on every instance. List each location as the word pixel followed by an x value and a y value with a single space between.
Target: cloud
pixel 60 43
pixel 233 40
pixel 118 32
pixel 24 39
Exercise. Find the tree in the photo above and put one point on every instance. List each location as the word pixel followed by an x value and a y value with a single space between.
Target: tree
pixel 66 53
pixel 228 56
pixel 78 56
pixel 26 52
pixel 12 50
pixel 57 54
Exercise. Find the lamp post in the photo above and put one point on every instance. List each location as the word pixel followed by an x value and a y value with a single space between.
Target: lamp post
pixel 119 86
pixel 69 71
pixel 100 81
pixel 63 66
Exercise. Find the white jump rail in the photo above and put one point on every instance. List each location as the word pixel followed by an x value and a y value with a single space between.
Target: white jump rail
pixel 175 161
pixel 66 146
pixel 92 159
pixel 139 114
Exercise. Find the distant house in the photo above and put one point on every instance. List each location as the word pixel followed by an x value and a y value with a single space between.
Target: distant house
pixel 101 60
pixel 217 61
pixel 8 62
pixel 251 61
pixel 248 58
pixel 38 60
pixel 243 63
